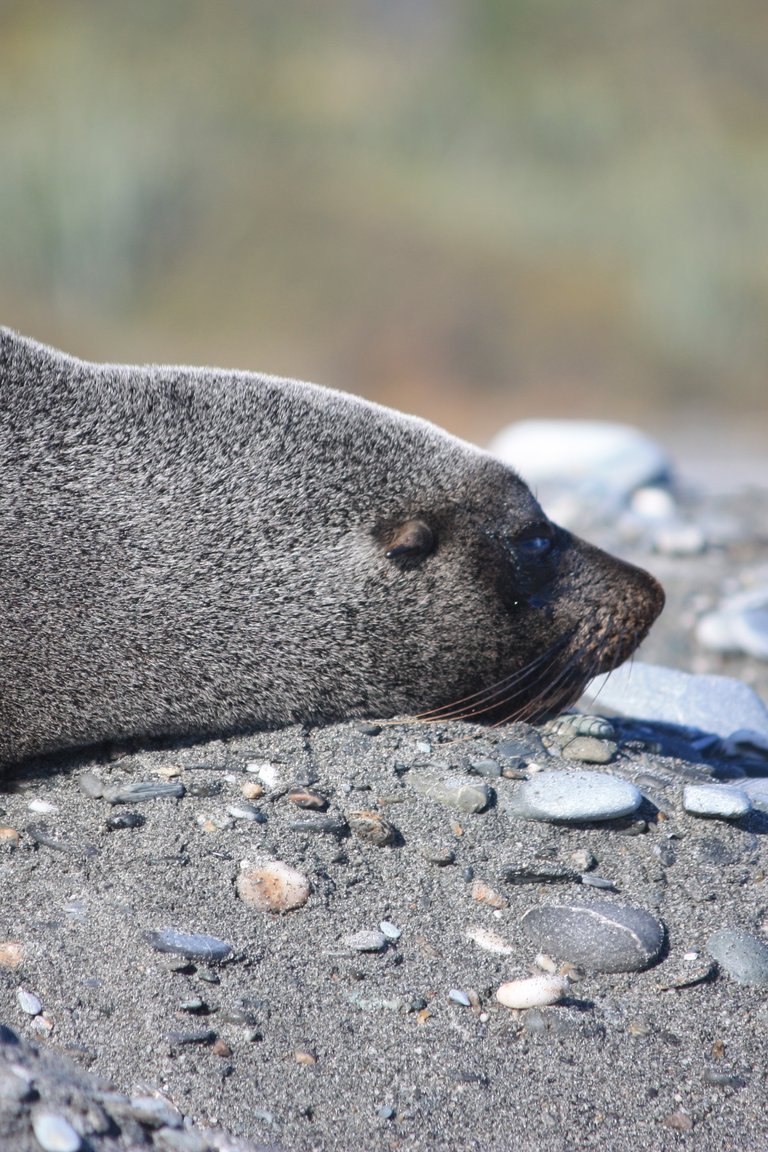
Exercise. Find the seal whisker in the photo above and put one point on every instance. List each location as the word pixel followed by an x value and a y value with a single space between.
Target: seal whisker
pixel 483 700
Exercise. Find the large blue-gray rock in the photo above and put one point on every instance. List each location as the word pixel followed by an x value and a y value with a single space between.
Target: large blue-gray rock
pixel 742 955
pixel 574 796
pixel 717 704
pixel 598 936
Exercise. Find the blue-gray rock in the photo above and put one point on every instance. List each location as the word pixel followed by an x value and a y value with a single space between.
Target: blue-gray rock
pixel 598 936
pixel 190 944
pixel 740 624
pixel 143 790
pixel 717 704
pixel 716 800
pixel 756 788
pixel 742 955
pixel 574 796
pixel 465 795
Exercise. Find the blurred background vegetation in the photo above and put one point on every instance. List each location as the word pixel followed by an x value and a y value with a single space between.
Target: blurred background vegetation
pixel 471 209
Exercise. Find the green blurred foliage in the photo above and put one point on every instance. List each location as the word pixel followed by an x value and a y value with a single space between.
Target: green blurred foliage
pixel 474 209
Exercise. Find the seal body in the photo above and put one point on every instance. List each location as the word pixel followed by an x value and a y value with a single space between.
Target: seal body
pixel 187 552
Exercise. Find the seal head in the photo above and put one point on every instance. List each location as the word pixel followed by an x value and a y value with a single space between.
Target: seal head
pixel 188 552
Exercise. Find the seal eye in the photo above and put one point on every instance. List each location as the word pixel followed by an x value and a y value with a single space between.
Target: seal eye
pixel 536 543
pixel 411 540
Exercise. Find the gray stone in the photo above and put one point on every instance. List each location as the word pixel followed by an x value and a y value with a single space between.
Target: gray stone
pixel 756 788
pixel 144 790
pixel 190 944
pixel 598 936
pixel 574 796
pixel 716 800
pixel 465 795
pixel 367 940
pixel 717 704
pixel 742 955
pixel 739 625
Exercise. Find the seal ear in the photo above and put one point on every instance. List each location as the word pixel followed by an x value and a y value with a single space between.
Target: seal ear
pixel 411 540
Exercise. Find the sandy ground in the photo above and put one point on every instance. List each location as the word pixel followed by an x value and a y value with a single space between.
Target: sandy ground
pixel 298 1042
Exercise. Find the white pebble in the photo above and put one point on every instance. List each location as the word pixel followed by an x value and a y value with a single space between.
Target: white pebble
pixel 55 1134
pixel 390 930
pixel 28 1002
pixel 533 991
pixel 488 940
pixel 42 807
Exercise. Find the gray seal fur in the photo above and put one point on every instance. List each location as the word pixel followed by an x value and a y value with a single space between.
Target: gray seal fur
pixel 192 552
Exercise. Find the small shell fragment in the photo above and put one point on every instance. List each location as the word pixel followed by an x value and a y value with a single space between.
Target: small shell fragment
pixel 533 991
pixel 484 894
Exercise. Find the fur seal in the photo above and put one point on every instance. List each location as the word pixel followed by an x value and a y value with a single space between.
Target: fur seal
pixel 193 552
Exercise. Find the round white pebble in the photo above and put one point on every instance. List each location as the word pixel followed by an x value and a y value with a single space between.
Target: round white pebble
pixel 55 1134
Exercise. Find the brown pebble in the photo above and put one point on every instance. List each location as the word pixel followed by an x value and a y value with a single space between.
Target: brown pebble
pixel 307 798
pixel 457 829
pixel 372 827
pixel 252 790
pixel 11 954
pixel 9 836
pixel 220 1048
pixel 484 894
pixel 680 1121
pixel 303 1057
pixel 718 1049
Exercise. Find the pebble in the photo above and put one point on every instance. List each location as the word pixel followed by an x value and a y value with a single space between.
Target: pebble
pixel 142 791
pixel 756 789
pixel 90 784
pixel 247 812
pixel 367 940
pixel 267 773
pixel 319 824
pixel 740 625
pixel 742 955
pixel 11 954
pixel 252 790
pixel 124 820
pixel 600 937
pixel 490 769
pixel 458 996
pixel 372 827
pixel 42 807
pixel 574 797
pixel 390 930
pixel 272 887
pixel 307 798
pixel 9 836
pixel 54 1133
pixel 716 704
pixel 368 729
pixel 533 991
pixel 718 800
pixel 466 796
pixel 192 945
pixel 487 940
pixel 28 1002
pixel 590 750
pixel 484 894
pixel 538 874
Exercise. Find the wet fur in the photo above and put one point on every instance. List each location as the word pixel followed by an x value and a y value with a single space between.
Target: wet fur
pixel 189 551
